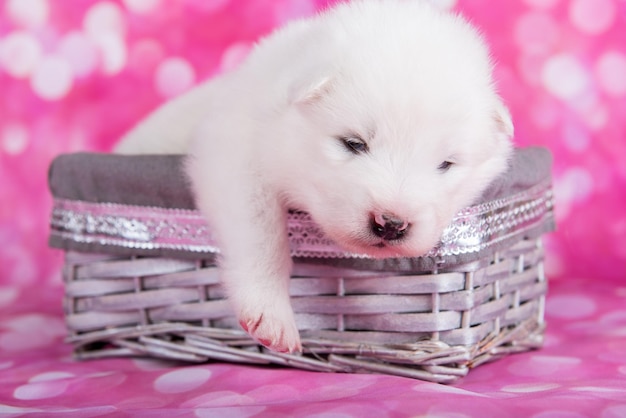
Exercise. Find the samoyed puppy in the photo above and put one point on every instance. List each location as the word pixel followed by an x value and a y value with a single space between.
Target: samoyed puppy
pixel 377 117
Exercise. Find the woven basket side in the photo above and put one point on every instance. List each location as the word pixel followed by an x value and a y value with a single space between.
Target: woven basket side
pixel 151 290
pixel 106 292
pixel 426 326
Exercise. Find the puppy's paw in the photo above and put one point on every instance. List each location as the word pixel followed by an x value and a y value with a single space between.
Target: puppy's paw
pixel 274 328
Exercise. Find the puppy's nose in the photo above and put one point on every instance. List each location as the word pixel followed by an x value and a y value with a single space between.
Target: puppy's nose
pixel 389 227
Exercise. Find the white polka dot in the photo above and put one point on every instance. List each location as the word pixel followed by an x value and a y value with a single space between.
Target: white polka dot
pixel 539 365
pixel 357 385
pixel 40 390
pixel 48 376
pixel 541 4
pixel 530 387
pixel 622 369
pixel 598 389
pixel 15 411
pixel 17 341
pixel 218 398
pixel 28 12
pixel 80 52
pixel 536 32
pixel 20 54
pixel 182 380
pixel 88 411
pixel 445 390
pixel 53 78
pixel 14 141
pixel 610 71
pixel 36 324
pixel 570 307
pixel 234 55
pixel 565 77
pixel 592 16
pixel 174 76
pixel 142 6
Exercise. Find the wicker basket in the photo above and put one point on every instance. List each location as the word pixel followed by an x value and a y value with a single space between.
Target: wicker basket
pixel 141 280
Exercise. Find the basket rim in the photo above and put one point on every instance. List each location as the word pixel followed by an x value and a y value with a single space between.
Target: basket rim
pixel 474 232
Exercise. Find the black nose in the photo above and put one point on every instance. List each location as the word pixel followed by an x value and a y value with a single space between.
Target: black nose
pixel 389 227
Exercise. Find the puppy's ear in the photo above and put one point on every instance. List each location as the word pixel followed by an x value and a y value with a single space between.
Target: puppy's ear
pixel 303 92
pixel 503 120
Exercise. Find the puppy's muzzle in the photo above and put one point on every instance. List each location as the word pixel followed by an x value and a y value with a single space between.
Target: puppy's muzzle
pixel 389 227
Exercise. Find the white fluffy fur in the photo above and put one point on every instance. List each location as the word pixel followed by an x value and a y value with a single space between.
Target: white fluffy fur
pixel 414 82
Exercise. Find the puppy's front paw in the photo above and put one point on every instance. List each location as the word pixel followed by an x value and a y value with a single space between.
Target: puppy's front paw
pixel 274 328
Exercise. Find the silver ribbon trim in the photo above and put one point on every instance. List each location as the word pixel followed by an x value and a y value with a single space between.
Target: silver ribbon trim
pixel 151 228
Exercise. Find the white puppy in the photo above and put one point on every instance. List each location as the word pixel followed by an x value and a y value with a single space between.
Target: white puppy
pixel 378 117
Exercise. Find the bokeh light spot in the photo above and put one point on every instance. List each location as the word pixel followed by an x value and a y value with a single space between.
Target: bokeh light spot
pixel 28 13
pixel 592 16
pixel 14 138
pixel 536 32
pixel 80 52
pixel 174 76
pixel 565 77
pixel 234 55
pixel 113 53
pixel 52 79
pixel 145 55
pixel 103 18
pixel 20 53
pixel 610 72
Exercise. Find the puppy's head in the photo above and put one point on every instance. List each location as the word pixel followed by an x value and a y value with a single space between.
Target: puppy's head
pixel 390 146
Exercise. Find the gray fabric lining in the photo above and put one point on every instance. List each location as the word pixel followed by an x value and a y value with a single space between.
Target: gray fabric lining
pixel 158 180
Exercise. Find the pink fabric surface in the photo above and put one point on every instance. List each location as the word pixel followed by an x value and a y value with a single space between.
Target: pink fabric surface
pixel 581 372
pixel 76 74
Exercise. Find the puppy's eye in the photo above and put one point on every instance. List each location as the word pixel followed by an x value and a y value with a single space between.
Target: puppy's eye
pixel 354 144
pixel 445 166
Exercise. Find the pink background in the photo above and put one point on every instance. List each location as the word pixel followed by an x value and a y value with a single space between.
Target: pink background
pixel 76 74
